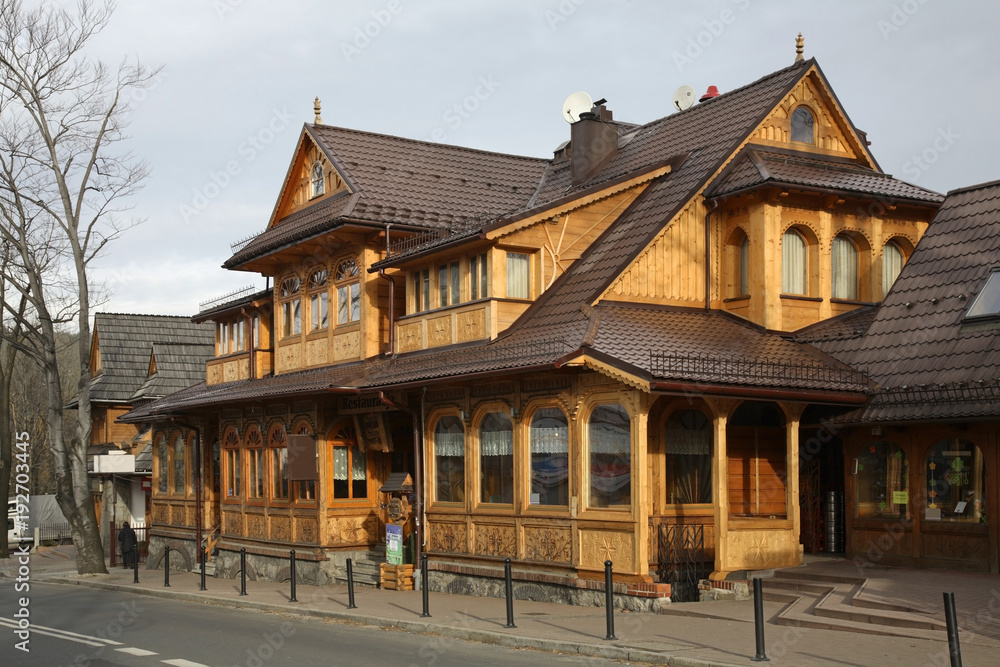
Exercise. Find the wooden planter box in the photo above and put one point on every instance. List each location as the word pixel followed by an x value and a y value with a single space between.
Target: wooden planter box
pixel 396 577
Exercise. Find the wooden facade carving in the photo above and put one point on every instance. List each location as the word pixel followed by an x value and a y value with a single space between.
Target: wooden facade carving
pixel 289 357
pixel 280 528
pixel 597 546
pixel 439 331
pixel 256 526
pixel 161 514
pixel 495 540
pixel 316 352
pixel 830 126
pixel 306 530
pixel 471 325
pixel 550 544
pixel 761 548
pixel 346 346
pixel 353 529
pixel 450 537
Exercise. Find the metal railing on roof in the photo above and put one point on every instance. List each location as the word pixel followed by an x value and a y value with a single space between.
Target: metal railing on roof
pixel 240 293
pixel 402 245
pixel 236 246
pixel 737 370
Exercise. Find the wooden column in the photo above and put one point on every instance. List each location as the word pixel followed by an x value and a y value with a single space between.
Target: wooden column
pixel 720 480
pixel 792 414
pixel 637 403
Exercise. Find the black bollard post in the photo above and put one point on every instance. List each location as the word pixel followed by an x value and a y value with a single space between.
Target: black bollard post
pixel 509 590
pixel 243 571
pixel 758 621
pixel 166 567
pixel 423 585
pixel 204 562
pixel 954 650
pixel 135 565
pixel 291 573
pixel 609 600
pixel 350 585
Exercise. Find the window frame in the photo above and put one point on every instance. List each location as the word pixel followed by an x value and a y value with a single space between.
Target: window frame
pixel 887 286
pixel 291 306
pixel 992 281
pixel 564 487
pixel 317 180
pixel 437 470
pixel 809 245
pixel 970 515
pixel 527 268
pixel 162 457
pixel 254 482
pixel 478 277
pixel 178 439
pixel 348 288
pixel 318 291
pixel 591 465
pixel 874 457
pixel 843 243
pixel 670 418
pixel 277 441
pixel 232 466
pixel 504 473
pixel 343 436
pixel 799 111
pixel 303 427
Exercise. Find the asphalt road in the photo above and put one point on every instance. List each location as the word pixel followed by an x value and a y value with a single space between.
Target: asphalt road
pixel 86 627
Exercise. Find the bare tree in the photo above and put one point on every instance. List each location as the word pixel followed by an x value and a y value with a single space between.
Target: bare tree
pixel 64 185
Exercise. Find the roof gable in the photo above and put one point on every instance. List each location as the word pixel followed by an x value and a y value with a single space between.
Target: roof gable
pixel 297 190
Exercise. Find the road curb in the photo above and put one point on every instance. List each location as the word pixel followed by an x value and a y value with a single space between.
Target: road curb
pixel 610 651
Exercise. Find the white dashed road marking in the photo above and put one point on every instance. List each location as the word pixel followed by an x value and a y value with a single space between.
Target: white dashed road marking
pixel 180 662
pixel 141 652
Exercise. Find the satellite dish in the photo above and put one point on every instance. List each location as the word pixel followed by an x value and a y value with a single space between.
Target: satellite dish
pixel 576 104
pixel 684 98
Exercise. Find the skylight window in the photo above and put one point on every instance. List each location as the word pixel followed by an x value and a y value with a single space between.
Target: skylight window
pixel 987 302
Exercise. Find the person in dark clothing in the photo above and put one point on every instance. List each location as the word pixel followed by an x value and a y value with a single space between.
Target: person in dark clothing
pixel 128 545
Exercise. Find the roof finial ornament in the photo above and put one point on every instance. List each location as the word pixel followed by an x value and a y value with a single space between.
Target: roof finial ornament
pixel 800 43
pixel 319 119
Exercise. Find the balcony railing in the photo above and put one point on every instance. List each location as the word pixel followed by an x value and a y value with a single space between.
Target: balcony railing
pixel 235 295
pixel 752 371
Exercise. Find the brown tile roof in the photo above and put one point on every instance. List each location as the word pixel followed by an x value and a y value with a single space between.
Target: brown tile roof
pixel 405 181
pixel 930 363
pixel 758 166
pixel 178 366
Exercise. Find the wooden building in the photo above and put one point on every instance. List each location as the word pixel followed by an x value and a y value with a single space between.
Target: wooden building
pixel 577 359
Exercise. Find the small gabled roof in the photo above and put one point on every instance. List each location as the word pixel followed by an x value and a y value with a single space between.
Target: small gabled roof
pixel 929 361
pixel 757 166
pixel 173 366
pixel 403 181
pixel 124 342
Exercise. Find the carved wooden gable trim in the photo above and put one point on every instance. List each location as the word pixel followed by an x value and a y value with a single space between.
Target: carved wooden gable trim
pixel 833 133
pixel 300 187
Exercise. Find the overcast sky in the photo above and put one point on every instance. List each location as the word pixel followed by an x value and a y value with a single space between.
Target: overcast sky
pixel 239 78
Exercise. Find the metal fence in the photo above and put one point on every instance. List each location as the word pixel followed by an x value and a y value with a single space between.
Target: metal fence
pixel 681 560
pixel 54 532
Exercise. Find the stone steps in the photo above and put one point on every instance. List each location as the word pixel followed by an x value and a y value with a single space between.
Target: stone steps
pixel 366 569
pixel 837 603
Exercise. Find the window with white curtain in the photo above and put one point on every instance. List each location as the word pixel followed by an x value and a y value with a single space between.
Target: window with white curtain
pixel 744 287
pixel 610 442
pixel 496 459
pixel 350 472
pixel 518 276
pixel 844 266
pixel 549 435
pixel 449 460
pixel 688 445
pixel 892 264
pixel 794 263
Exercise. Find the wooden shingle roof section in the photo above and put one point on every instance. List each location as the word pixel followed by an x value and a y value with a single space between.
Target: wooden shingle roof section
pixel 124 342
pixel 929 360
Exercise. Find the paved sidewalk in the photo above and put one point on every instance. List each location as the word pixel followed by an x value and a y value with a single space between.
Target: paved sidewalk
pixel 712 633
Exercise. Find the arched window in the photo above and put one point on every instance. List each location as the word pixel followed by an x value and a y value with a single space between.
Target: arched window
pixel 688 443
pixel 892 264
pixel 803 126
pixel 277 445
pixel 162 467
pixel 350 465
pixel 549 434
pixel 255 464
pixel 844 266
pixel 610 442
pixel 179 465
pixel 449 460
pixel 956 482
pixel 496 459
pixel 744 262
pixel 318 179
pixel 794 263
pixel 348 292
pixel 318 297
pixel 291 306
pixel 883 474
pixel 233 463
pixel 305 490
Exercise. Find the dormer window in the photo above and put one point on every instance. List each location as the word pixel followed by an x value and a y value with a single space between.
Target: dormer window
pixel 987 302
pixel 318 300
pixel 348 292
pixel 291 306
pixel 803 126
pixel 318 179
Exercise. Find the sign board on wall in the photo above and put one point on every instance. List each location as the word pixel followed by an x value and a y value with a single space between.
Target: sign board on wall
pixel 393 544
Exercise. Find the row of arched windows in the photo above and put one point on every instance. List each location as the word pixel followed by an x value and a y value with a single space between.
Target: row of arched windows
pixel 314 292
pixel 256 469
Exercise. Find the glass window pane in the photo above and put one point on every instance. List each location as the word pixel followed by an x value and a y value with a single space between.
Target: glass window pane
pixel 179 467
pixel 844 260
pixel 518 285
pixel 455 280
pixel 688 445
pixel 549 435
pixel 314 312
pixel 449 460
pixel 956 482
pixel 279 473
pixel 609 440
pixel 883 473
pixel 161 450
pixel 442 286
pixel 427 289
pixel 297 316
pixel 988 300
pixel 744 267
pixel 359 474
pixel 802 126
pixel 355 302
pixel 892 264
pixel 342 305
pixel 416 293
pixel 483 293
pixel 793 263
pixel 473 278
pixel 341 483
pixel 496 459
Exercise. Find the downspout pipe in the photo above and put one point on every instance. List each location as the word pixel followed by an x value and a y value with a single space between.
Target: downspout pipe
pixel 708 254
pixel 417 466
pixel 197 488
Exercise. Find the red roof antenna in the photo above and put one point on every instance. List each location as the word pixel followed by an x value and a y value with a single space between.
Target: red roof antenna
pixel 713 91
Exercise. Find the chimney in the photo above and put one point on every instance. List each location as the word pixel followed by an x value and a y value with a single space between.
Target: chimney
pixel 593 142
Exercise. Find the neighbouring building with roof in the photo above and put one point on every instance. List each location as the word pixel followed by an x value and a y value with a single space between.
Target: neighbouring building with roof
pixel 578 359
pixel 134 360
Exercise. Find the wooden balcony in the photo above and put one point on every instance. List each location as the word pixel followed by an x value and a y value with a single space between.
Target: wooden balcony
pixel 462 323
